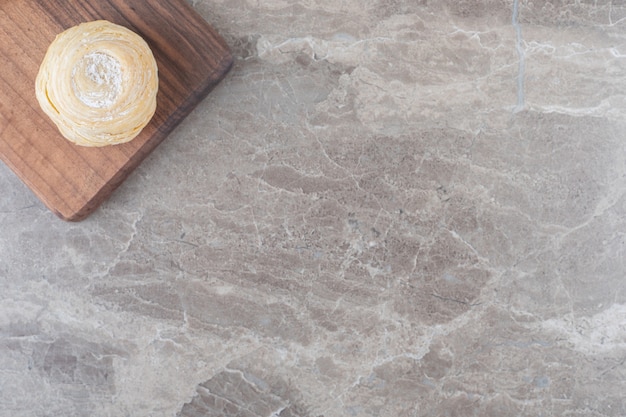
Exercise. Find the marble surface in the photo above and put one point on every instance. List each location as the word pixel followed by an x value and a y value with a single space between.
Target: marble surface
pixel 388 208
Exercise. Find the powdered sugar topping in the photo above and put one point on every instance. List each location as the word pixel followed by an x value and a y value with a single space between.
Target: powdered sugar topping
pixel 97 80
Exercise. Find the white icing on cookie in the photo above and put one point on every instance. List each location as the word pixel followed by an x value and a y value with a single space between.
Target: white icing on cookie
pixel 97 80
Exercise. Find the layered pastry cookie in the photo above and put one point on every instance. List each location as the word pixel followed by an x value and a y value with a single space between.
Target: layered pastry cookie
pixel 98 83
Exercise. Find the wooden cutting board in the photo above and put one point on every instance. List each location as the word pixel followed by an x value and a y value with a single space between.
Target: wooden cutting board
pixel 72 180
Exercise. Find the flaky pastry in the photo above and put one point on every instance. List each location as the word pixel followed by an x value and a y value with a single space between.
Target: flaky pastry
pixel 98 83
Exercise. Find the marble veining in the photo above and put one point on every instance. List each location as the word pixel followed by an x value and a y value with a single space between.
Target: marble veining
pixel 388 208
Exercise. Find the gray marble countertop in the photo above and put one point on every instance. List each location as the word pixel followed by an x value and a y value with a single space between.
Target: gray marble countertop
pixel 387 208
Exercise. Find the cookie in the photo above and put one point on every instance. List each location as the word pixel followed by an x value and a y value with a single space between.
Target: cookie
pixel 98 83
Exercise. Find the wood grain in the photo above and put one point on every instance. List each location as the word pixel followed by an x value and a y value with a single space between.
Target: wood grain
pixel 71 180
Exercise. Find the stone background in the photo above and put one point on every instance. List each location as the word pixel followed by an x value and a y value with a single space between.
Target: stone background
pixel 388 208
